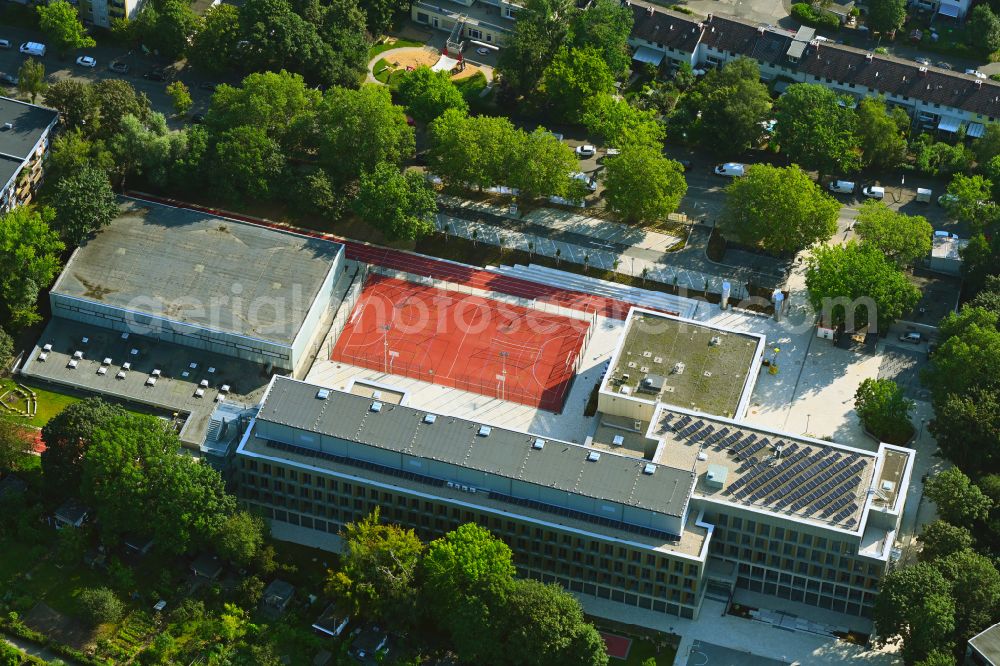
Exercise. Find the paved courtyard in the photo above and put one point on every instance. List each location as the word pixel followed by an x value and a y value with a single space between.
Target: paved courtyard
pixel 707 654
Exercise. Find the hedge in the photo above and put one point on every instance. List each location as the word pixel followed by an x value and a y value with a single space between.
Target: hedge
pixel 806 13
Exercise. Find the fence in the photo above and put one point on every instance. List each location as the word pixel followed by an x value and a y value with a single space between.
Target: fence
pixel 350 299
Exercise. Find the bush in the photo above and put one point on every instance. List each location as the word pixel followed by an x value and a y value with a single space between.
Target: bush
pixel 100 605
pixel 817 18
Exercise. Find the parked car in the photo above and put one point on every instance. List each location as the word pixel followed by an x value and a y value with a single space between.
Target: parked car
pixel 4 43
pixel 842 187
pixel 86 61
pixel 944 234
pixel 591 183
pixel 586 150
pixel 8 79
pixel 32 48
pixel 926 62
pixel 976 73
pixel 118 67
pixel 874 192
pixel 912 337
pixel 730 170
pixel 198 118
pixel 947 199
pixel 944 65
pixel 155 75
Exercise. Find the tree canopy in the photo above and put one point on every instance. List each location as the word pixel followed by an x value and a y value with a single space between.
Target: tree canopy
pixel 605 25
pixel 427 94
pixel 30 250
pixel 621 124
pixel 84 202
pixel 884 410
pixel 541 28
pixel 730 106
pixel 778 209
pixel 903 238
pixel 857 285
pixel 816 129
pixel 61 24
pixel 881 134
pixel 400 205
pixel 67 436
pixel 574 76
pixel 641 185
pixel 31 78
pixel 886 15
pixel 941 539
pixel 958 500
pixel 914 605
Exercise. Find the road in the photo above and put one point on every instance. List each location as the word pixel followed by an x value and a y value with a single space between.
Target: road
pixel 58 68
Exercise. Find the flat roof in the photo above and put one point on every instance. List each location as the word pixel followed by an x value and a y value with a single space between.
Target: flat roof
pixel 783 474
pixel 703 368
pixel 502 452
pixel 987 643
pixel 194 268
pixel 690 544
pixel 28 123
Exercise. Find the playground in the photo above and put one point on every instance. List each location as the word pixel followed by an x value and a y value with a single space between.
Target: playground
pixel 389 65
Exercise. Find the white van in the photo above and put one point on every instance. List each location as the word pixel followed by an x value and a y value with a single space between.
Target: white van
pixel 874 192
pixel 731 170
pixel 842 187
pixel 33 48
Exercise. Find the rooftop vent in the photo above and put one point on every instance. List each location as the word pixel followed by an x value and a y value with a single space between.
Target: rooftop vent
pixel 539 443
pixel 715 341
pixel 679 368
pixel 593 456
pixel 649 468
pixel 376 407
pixel 430 418
pixel 323 394
pixel 618 440
pixel 484 431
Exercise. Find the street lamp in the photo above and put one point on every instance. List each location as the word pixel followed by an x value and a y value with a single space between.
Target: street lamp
pixel 385 347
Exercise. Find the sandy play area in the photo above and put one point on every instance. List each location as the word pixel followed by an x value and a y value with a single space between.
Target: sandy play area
pixel 414 57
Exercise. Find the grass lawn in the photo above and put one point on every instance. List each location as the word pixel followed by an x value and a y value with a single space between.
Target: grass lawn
pixel 50 402
pixel 643 650
pixel 471 86
pixel 379 49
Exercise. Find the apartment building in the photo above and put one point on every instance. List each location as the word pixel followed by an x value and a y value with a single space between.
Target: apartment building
pixel 479 22
pixel 25 131
pixel 102 12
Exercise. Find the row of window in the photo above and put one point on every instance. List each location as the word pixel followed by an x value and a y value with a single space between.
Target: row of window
pixel 801 596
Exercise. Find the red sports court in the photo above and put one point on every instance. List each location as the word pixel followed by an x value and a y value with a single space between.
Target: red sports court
pixel 463 341
pixel 618 646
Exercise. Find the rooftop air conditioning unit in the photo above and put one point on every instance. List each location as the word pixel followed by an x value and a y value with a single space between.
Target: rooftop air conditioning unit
pixel 323 394
pixel 539 443
pixel 376 407
pixel 430 418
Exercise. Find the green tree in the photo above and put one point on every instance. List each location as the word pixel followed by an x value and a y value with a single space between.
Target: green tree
pixel 543 624
pixel 968 201
pixel 168 27
pixel 67 436
pixel 61 25
pixel 6 348
pixel 975 587
pixel 478 151
pixel 180 96
pixel 779 209
pixel 886 15
pixel 938 157
pixel 75 102
pixel 467 575
pixel 240 537
pixel 72 151
pixel 400 205
pixel 383 13
pixel 378 570
pixel 573 77
pixel 539 164
pixel 15 443
pixel 968 356
pixel 941 539
pixel 133 474
pixel 541 28
pixel 958 500
pixel 914 605
pixel 30 248
pixel 116 99
pixel 99 605
pixel 641 185
pixel 980 260
pixel 937 658
pixel 147 148
pixel 215 47
pixel 882 141
pixel 984 28
pixel 360 128
pixel 84 203
pixel 246 162
pixel 427 94
pixel 884 410
pixel 856 285
pixel 966 427
pixel 621 124
pixel 731 105
pixel 31 78
pixel 279 103
pixel 987 146
pixel 815 130
pixel 11 656
pixel 605 25
pixel 902 238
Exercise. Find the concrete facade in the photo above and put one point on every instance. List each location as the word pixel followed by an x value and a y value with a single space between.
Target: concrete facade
pixel 25 131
